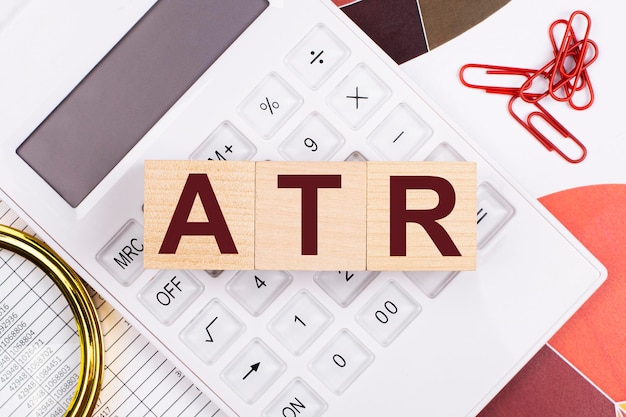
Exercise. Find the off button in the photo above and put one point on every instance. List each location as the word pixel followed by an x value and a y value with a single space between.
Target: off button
pixel 169 293
pixel 122 257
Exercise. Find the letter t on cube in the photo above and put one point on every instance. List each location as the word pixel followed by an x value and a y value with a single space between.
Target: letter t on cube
pixel 311 216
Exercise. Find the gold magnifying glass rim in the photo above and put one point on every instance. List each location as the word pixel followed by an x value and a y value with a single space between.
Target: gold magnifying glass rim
pixel 89 331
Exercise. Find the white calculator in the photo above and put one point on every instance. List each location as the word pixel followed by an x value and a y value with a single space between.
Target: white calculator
pixel 286 80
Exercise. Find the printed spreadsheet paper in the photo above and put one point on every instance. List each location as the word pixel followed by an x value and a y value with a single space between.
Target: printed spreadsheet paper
pixel 38 369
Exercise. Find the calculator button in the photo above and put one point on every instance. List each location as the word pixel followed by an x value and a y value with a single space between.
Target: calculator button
pixel 358 96
pixel 212 331
pixel 356 156
pixel 492 214
pixel 400 135
pixel 122 257
pixel 317 56
pixel 343 286
pixel 388 313
pixel 431 283
pixel 314 140
pixel 494 211
pixel 269 105
pixel 256 290
pixel 225 143
pixel 444 152
pixel 297 399
pixel 340 363
pixel 169 293
pixel 253 370
pixel 300 322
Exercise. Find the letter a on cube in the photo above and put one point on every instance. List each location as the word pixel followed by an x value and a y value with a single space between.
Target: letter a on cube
pixel 199 214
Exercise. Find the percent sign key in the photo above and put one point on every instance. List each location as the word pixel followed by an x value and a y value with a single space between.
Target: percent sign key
pixel 267 105
pixel 317 57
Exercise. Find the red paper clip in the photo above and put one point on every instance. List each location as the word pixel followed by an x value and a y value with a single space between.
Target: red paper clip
pixel 496 70
pixel 542 113
pixel 572 50
pixel 570 82
pixel 562 78
pixel 571 47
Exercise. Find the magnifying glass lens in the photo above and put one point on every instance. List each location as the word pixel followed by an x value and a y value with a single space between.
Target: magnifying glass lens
pixel 40 353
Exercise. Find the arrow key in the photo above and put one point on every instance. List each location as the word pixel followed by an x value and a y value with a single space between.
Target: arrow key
pixel 253 371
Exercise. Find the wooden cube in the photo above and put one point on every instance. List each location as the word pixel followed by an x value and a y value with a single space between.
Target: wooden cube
pixel 417 213
pixel 311 216
pixel 199 214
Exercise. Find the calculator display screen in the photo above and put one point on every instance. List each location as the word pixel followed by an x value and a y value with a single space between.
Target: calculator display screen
pixel 133 86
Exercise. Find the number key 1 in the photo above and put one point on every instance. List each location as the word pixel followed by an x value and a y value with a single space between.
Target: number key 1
pixel 300 322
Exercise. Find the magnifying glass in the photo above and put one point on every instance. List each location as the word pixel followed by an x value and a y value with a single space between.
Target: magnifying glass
pixel 49 364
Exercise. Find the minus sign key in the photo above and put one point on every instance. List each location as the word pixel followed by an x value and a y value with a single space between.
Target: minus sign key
pixel 398 137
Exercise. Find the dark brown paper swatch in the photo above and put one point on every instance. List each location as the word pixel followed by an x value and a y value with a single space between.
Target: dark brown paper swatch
pixel 404 29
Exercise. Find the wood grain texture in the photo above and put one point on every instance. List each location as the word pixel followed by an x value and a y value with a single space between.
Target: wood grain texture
pixel 422 254
pixel 341 220
pixel 233 183
pixel 271 210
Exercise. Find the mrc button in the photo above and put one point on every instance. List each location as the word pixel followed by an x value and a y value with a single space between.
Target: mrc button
pixel 123 255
